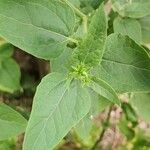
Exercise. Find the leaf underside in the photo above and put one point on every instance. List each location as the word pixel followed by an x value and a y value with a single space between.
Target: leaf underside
pixel 104 90
pixel 41 28
pixel 125 65
pixel 58 106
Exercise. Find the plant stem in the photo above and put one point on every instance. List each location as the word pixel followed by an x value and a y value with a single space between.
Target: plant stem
pixel 106 125
pixel 80 14
pixel 73 40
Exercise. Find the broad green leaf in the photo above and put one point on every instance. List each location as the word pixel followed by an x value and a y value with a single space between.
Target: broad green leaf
pixel 125 66
pixel 90 50
pixel 145 25
pixel 98 103
pixel 11 122
pixel 132 8
pixel 6 51
pixel 104 90
pixel 59 104
pixel 62 63
pixel 84 127
pixel 9 76
pixel 141 104
pixel 41 28
pixel 128 26
pixel 9 70
pixel 80 31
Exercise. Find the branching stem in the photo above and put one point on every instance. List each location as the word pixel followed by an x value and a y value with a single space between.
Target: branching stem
pixel 80 14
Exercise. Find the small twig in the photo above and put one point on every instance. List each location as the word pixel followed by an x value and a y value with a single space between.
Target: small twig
pixel 106 125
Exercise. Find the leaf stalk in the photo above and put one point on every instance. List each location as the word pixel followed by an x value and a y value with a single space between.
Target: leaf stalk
pixel 80 14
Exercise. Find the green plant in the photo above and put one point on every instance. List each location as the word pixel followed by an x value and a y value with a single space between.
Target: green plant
pixel 89 65
pixel 8 83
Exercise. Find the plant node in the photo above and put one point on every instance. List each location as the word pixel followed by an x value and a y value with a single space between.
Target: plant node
pixel 80 72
